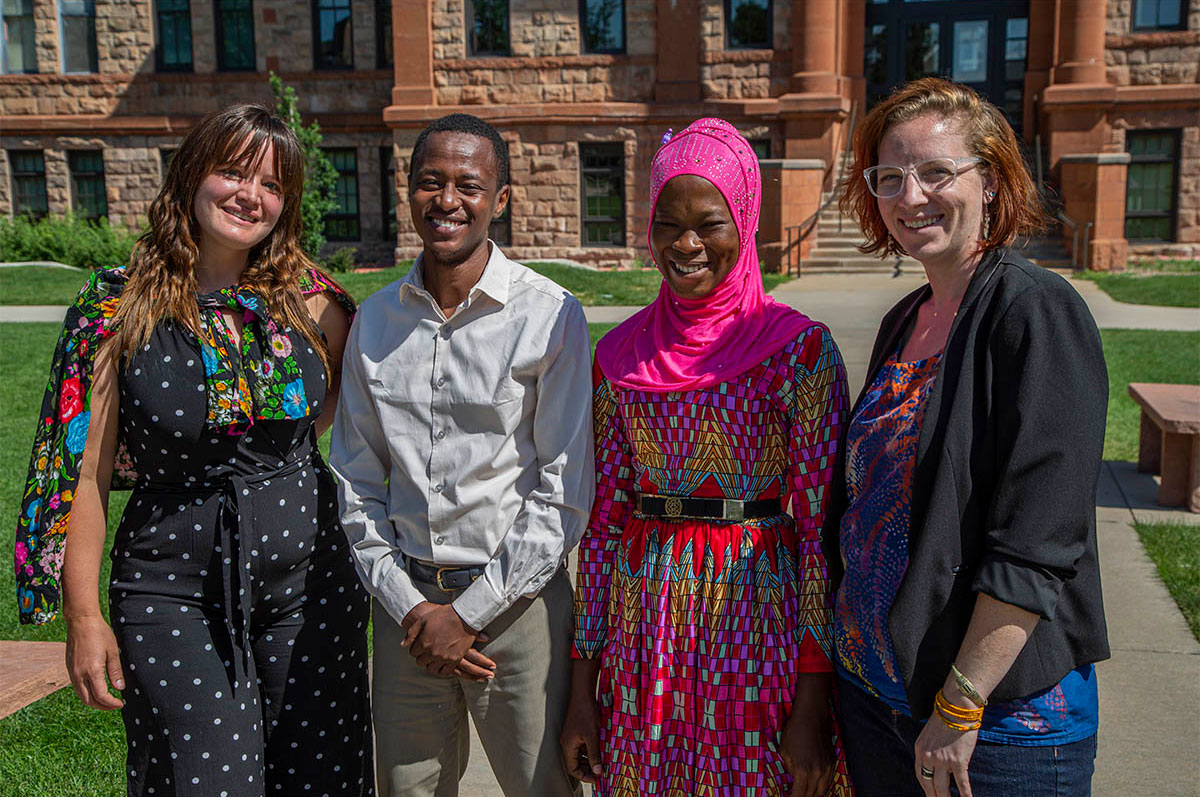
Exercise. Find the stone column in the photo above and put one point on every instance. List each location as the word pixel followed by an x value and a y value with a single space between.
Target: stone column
pixel 1079 99
pixel 1081 42
pixel 854 84
pixel 412 49
pixel 1093 191
pixel 677 35
pixel 791 191
pixel 814 47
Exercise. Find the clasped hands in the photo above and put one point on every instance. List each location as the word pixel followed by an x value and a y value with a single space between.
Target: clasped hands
pixel 443 644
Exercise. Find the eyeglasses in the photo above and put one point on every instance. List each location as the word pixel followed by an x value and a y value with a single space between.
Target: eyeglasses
pixel 933 175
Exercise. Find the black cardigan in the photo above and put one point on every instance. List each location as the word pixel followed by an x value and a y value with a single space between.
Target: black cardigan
pixel 1004 486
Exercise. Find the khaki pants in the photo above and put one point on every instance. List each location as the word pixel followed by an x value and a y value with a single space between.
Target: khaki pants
pixel 421 735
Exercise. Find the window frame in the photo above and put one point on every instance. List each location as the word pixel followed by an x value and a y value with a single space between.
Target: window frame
pixel 78 175
pixel 356 216
pixel 613 147
pixel 1133 16
pixel 160 64
pixel 469 29
pixel 770 40
pixel 334 5
pixel 583 45
pixel 219 37
pixel 383 35
pixel 17 177
pixel 31 69
pixel 93 50
pixel 1172 214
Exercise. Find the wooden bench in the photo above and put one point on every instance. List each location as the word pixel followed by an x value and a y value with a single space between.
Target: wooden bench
pixel 1169 441
pixel 29 671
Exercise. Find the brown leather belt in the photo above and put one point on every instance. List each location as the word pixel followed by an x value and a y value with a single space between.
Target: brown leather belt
pixel 728 509
pixel 447 579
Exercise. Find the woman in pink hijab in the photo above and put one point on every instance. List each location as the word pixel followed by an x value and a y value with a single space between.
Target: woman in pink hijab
pixel 702 612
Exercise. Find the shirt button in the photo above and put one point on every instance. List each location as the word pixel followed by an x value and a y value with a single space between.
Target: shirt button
pixel 439 539
pixel 437 488
pixel 446 330
pixel 441 434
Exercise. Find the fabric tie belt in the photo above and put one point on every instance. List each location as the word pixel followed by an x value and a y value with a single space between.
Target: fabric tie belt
pixel 729 509
pixel 235 527
pixel 447 579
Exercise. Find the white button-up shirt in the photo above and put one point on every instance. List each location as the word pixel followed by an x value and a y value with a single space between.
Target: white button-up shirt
pixel 466 441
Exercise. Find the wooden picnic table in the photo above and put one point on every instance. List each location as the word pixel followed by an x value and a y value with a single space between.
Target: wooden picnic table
pixel 1169 440
pixel 29 671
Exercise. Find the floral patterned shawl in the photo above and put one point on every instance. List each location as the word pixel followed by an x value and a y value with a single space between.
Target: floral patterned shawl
pixel 272 389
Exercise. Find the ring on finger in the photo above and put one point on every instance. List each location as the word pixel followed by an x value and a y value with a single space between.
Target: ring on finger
pixel 926 773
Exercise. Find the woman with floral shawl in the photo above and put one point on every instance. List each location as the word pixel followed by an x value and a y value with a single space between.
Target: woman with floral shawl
pixel 702 606
pixel 201 376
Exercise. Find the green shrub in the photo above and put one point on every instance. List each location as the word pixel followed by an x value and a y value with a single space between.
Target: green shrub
pixel 344 258
pixel 320 178
pixel 65 239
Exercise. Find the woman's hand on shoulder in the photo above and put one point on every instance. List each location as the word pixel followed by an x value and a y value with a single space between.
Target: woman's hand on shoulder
pixel 94 661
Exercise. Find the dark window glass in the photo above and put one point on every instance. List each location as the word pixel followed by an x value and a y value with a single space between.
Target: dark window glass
pixel 602 167
pixel 387 171
pixel 174 36
pixel 487 27
pixel 167 156
pixel 1158 15
pixel 342 224
pixel 603 23
pixel 748 24
pixel 17 44
pixel 1016 47
pixel 333 38
pixel 875 55
pixel 28 182
pixel 235 35
pixel 762 148
pixel 78 18
pixel 500 230
pixel 922 54
pixel 87 183
pixel 1150 184
pixel 383 36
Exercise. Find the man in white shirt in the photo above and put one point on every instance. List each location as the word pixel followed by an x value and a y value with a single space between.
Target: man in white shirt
pixel 463 444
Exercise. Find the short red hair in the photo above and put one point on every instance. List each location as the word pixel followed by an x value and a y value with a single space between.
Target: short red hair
pixel 1016 208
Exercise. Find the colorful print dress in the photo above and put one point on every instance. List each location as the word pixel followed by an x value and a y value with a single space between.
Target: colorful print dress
pixel 702 626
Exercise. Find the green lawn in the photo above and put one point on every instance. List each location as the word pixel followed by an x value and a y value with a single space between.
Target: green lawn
pixel 1175 549
pixel 1142 355
pixel 39 285
pixel 1154 288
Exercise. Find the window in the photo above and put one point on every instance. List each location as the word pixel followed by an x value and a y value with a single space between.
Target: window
pixel 16 46
pixel 603 24
pixel 342 224
pixel 1158 15
pixel 602 167
pixel 387 170
pixel 761 147
pixel 87 183
pixel 167 154
pixel 235 36
pixel 174 36
pixel 383 34
pixel 500 230
pixel 78 31
pixel 748 24
pixel 1150 185
pixel 333 38
pixel 487 27
pixel 28 169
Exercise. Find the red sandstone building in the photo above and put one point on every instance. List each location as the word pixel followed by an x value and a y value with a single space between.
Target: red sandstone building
pixel 95 94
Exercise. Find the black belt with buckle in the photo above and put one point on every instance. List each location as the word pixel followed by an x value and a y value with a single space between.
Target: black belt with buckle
pixel 447 579
pixel 673 506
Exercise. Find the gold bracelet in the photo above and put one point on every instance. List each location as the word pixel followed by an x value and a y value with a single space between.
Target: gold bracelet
pixel 967 688
pixel 956 726
pixel 955 717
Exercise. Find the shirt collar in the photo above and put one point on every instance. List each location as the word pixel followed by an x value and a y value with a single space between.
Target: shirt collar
pixel 494 281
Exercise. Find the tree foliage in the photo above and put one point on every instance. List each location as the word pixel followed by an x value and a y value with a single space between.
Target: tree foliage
pixel 320 178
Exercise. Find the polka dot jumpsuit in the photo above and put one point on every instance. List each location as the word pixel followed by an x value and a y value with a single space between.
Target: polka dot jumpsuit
pixel 241 621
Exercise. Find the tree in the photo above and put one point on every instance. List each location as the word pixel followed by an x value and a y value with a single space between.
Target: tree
pixel 320 178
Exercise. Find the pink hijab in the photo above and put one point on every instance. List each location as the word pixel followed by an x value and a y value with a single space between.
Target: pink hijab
pixel 677 344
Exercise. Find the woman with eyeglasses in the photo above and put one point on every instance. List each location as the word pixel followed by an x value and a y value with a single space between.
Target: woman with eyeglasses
pixel 960 531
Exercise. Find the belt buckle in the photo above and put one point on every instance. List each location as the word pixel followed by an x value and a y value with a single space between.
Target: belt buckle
pixel 673 506
pixel 734 510
pixel 437 579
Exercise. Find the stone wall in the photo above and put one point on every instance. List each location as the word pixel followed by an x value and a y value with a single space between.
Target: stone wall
pixel 743 74
pixel 45 35
pixel 125 36
pixel 1151 57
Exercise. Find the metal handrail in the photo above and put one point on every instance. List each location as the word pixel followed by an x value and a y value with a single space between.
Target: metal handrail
pixel 811 221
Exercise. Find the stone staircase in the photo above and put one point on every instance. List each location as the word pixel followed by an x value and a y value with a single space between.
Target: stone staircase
pixel 835 249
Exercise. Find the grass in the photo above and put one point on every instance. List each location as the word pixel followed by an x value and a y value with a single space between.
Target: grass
pixel 40 284
pixel 1175 549
pixel 1142 355
pixel 637 287
pixel 1162 283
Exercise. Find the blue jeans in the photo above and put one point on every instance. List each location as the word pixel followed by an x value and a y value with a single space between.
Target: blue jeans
pixel 879 753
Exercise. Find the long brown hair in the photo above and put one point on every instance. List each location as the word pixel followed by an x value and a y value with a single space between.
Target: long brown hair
pixel 162 272
pixel 1016 208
